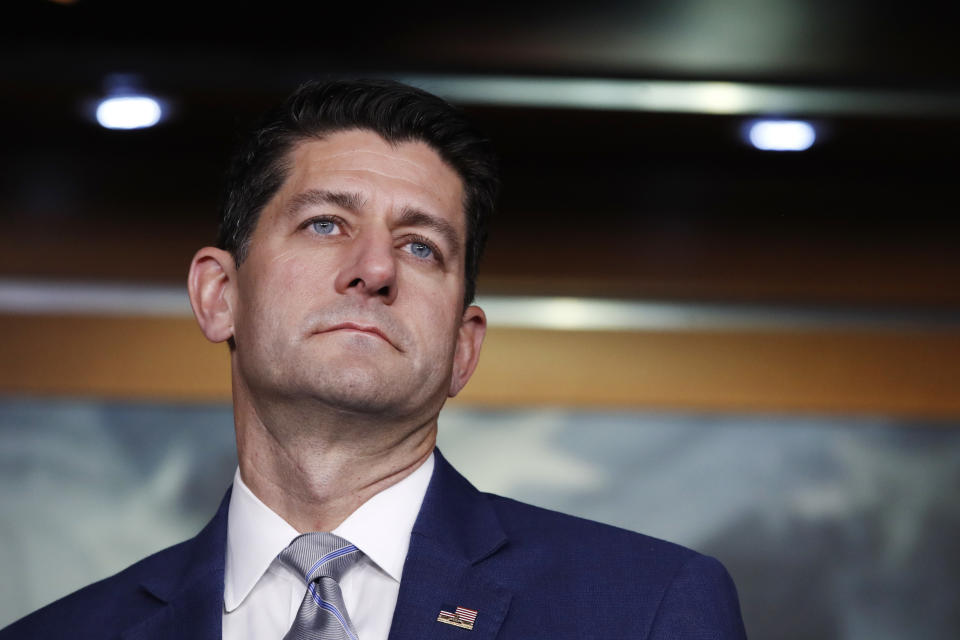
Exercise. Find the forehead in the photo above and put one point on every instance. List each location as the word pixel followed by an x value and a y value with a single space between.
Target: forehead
pixel 406 173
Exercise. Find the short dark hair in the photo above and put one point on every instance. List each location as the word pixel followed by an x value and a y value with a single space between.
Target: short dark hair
pixel 397 113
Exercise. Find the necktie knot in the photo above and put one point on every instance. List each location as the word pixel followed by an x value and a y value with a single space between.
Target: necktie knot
pixel 320 554
pixel 321 559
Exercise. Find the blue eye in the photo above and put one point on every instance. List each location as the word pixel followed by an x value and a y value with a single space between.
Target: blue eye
pixel 420 250
pixel 324 227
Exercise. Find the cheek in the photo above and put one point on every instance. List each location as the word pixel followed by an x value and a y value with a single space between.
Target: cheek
pixel 439 321
pixel 291 272
pixel 273 293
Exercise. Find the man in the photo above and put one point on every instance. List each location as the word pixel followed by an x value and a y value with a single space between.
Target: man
pixel 343 281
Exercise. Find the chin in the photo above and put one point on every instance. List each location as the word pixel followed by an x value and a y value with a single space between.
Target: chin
pixel 360 390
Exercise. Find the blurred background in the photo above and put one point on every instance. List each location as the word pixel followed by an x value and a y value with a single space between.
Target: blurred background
pixel 723 281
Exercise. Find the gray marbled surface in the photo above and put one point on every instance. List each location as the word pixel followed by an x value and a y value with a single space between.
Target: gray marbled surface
pixel 832 527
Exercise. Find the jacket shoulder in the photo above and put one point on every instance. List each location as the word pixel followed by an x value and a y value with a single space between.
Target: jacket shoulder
pixel 102 609
pixel 604 573
pixel 588 538
pixel 106 608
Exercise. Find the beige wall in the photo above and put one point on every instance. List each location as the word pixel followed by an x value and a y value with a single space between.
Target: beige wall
pixel 915 373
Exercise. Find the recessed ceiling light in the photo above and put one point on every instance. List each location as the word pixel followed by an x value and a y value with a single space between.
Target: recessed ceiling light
pixel 782 135
pixel 129 112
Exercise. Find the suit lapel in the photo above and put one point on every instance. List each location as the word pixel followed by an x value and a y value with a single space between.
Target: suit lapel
pixel 455 532
pixel 190 589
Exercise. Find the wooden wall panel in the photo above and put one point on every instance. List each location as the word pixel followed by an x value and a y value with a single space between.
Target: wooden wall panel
pixel 885 372
pixel 111 356
pixel 915 373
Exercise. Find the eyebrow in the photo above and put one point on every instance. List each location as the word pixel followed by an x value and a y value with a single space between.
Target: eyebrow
pixel 314 197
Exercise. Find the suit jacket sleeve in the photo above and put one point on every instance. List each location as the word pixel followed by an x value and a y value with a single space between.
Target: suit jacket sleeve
pixel 699 604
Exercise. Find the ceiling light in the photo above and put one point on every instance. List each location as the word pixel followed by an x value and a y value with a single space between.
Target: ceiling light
pixel 129 112
pixel 782 135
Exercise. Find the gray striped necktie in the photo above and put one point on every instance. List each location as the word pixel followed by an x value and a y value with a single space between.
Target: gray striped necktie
pixel 321 559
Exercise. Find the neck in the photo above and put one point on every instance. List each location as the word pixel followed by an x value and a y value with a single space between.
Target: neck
pixel 314 475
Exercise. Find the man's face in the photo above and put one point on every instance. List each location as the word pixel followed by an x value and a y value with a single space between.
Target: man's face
pixel 351 292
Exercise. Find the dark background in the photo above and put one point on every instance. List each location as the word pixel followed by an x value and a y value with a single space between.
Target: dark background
pixel 617 203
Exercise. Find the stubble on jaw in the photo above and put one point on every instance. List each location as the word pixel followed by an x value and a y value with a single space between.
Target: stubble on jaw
pixel 297 403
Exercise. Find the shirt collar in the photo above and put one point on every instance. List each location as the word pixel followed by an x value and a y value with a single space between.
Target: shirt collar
pixel 255 535
pixel 380 528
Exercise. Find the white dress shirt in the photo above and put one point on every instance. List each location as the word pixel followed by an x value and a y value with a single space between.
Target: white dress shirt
pixel 261 597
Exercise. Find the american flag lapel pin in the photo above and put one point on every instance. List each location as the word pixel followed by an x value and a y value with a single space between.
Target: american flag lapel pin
pixel 457 616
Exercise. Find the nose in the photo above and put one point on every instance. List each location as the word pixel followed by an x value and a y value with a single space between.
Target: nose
pixel 370 268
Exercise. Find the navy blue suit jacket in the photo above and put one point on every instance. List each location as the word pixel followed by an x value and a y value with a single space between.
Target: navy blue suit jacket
pixel 528 572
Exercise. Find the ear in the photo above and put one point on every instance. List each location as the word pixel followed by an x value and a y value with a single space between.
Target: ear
pixel 473 328
pixel 210 283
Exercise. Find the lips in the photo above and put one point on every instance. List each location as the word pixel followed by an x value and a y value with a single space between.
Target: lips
pixel 363 328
